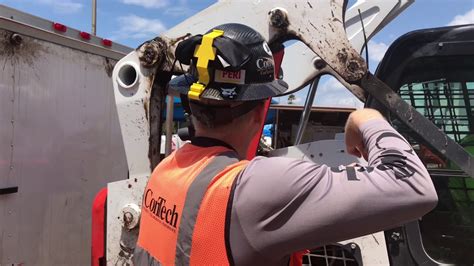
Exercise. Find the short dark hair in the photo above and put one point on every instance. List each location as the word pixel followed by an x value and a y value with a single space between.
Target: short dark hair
pixel 219 115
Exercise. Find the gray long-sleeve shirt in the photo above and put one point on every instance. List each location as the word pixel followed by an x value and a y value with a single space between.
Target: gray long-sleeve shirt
pixel 283 205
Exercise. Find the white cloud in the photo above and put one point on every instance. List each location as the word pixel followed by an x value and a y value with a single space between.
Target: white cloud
pixel 135 27
pixel 467 18
pixel 377 51
pixel 332 93
pixel 147 3
pixel 329 85
pixel 63 6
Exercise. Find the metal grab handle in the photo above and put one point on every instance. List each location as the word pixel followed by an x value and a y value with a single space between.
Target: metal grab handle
pixel 307 110
pixel 169 124
pixel 8 190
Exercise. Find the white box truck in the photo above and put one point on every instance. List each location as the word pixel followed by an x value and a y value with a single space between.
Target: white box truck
pixel 60 140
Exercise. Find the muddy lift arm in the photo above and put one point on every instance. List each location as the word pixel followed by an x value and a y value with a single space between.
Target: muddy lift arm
pixel 141 77
pixel 138 76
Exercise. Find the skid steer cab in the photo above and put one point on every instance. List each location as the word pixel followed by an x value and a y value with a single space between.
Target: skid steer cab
pixel 146 110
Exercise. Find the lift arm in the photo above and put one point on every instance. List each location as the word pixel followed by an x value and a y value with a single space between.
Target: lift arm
pixel 140 78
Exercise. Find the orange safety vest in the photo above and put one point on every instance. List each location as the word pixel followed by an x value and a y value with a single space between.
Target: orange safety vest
pixel 185 207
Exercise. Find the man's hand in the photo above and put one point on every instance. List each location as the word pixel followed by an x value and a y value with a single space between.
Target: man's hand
pixel 353 136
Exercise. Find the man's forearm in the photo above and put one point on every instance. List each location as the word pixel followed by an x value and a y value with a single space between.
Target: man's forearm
pixel 303 205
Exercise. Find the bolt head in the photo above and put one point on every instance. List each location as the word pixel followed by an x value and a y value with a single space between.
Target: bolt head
pixel 319 63
pixel 279 18
pixel 130 216
pixel 395 236
pixel 16 39
pixel 127 218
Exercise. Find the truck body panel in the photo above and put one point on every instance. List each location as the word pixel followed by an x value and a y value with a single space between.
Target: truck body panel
pixel 60 143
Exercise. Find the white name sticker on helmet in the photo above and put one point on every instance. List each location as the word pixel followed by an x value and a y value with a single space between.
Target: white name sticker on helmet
pixel 234 77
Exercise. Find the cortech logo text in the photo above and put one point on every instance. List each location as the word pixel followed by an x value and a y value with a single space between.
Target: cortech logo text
pixel 160 210
pixel 265 65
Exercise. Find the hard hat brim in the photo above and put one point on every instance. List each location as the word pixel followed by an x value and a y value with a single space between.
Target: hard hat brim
pixel 247 92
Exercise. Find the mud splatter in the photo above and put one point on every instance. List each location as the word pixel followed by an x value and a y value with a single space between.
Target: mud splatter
pixel 109 66
pixel 279 19
pixel 342 56
pixel 17 49
pixel 146 106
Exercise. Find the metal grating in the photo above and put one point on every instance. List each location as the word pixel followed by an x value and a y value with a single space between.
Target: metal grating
pixel 334 255
pixel 449 105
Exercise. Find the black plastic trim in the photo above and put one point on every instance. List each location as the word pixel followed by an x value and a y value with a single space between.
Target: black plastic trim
pixel 415 245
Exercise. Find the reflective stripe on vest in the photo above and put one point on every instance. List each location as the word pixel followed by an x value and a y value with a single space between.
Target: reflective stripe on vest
pixel 193 202
pixel 184 208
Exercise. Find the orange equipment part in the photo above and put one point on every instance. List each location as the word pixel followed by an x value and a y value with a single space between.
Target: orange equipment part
pixel 98 228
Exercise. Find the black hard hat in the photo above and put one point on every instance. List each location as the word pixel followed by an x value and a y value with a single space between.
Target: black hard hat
pixel 242 70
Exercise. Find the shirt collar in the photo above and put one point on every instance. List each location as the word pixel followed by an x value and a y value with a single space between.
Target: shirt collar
pixel 210 142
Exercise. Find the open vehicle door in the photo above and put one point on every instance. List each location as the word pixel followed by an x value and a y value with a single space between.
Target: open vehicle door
pixel 433 70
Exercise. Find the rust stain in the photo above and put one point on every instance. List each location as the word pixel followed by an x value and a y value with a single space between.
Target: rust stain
pixel 342 55
pixel 354 67
pixel 279 19
pixel 146 106
pixel 146 100
pixel 149 54
pixel 153 53
pixel 109 67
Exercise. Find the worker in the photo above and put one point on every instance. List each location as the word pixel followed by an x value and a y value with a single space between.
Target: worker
pixel 206 205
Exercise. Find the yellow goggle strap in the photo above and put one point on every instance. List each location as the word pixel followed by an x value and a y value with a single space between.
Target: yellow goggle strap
pixel 204 53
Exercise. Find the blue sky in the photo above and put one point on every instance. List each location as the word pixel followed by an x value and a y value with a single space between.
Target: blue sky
pixel 130 22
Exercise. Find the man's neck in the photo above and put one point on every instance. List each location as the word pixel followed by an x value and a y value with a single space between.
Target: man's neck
pixel 236 142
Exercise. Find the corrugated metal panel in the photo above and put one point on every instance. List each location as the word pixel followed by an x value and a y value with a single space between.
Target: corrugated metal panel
pixel 66 146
